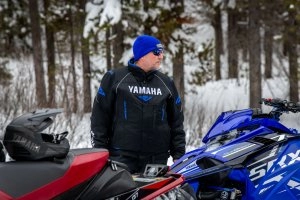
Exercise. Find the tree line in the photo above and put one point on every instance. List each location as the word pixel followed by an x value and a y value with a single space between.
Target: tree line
pixel 50 30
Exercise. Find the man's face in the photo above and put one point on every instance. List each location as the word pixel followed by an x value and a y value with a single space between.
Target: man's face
pixel 152 60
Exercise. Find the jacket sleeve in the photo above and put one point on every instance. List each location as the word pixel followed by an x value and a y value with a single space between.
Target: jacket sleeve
pixel 175 119
pixel 102 112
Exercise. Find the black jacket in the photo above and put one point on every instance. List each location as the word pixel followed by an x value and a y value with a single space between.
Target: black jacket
pixel 138 111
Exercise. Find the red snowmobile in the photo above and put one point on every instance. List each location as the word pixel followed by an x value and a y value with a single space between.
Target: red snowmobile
pixel 44 167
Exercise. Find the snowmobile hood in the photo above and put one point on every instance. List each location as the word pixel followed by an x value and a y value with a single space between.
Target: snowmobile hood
pixel 228 121
pixel 243 119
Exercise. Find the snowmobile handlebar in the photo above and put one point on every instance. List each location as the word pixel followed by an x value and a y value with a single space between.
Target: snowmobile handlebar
pixel 281 106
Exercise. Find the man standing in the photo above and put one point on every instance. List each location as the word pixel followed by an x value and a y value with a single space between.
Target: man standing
pixel 137 113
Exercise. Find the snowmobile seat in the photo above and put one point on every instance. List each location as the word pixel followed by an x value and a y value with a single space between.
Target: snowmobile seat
pixel 19 178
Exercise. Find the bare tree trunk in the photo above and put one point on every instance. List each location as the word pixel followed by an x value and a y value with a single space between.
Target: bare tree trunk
pixel 243 36
pixel 268 48
pixel 217 24
pixel 178 61
pixel 291 37
pixel 8 45
pixel 37 54
pixel 117 41
pixel 232 44
pixel 108 48
pixel 293 68
pixel 50 58
pixel 87 104
pixel 268 37
pixel 147 24
pixel 178 73
pixel 254 55
pixel 72 43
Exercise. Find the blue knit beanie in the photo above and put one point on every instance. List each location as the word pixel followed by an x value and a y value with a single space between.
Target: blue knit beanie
pixel 145 44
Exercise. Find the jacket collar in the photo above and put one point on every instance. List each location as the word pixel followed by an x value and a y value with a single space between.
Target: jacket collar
pixel 139 73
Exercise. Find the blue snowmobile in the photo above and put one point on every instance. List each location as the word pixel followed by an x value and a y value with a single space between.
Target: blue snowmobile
pixel 247 154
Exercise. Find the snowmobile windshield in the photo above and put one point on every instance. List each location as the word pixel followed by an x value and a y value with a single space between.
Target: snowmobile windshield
pixel 222 140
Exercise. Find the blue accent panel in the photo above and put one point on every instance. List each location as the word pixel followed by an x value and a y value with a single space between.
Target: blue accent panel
pixel 111 72
pixel 101 91
pixel 162 113
pixel 125 109
pixel 178 100
pixel 145 98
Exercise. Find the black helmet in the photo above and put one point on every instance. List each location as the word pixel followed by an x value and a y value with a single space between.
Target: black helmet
pixel 23 139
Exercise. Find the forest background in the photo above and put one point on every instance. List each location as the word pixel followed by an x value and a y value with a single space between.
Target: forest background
pixel 222 54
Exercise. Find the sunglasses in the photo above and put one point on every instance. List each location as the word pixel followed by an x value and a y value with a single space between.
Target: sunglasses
pixel 157 52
